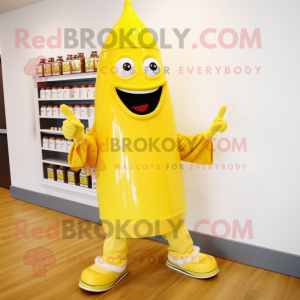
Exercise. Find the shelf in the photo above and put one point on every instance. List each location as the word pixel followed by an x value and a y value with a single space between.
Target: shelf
pixel 64 118
pixel 66 99
pixel 54 150
pixel 59 161
pixel 49 131
pixel 73 188
pixel 79 76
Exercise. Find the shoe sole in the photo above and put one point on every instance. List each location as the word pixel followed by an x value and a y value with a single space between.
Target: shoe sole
pixel 188 274
pixel 100 291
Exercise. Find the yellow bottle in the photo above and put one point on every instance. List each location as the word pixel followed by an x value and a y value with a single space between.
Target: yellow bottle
pixel 137 186
pixel 139 176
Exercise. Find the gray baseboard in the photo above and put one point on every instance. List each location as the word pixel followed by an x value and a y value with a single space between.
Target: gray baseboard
pixel 260 257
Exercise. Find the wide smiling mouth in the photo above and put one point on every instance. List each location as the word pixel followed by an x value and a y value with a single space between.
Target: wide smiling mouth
pixel 140 102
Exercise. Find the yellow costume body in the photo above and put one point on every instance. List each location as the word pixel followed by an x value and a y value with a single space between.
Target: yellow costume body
pixel 139 181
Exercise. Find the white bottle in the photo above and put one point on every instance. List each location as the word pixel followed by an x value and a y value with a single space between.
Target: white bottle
pixel 49 111
pixel 54 92
pixel 48 93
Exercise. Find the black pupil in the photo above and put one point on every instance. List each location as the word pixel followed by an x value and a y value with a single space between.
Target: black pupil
pixel 153 66
pixel 127 66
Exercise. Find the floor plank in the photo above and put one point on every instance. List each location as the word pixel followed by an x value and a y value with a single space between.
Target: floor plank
pixel 148 278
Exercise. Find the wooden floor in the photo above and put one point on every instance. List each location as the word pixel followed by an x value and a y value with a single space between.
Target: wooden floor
pixel 149 279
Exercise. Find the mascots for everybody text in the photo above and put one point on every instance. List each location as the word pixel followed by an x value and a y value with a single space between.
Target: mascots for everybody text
pixel 140 193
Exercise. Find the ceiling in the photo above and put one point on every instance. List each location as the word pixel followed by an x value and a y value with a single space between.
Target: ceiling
pixel 8 5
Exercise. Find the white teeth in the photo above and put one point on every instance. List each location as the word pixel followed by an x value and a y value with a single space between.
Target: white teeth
pixel 138 92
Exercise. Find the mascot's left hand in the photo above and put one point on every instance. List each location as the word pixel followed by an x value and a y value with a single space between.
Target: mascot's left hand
pixel 218 125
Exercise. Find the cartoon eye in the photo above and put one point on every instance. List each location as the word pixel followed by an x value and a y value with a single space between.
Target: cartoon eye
pixel 125 67
pixel 151 67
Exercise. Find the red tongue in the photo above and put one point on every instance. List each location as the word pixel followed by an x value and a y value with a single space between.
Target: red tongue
pixel 141 108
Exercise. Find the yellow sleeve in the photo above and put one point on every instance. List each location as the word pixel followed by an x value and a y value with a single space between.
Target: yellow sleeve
pixel 196 149
pixel 84 152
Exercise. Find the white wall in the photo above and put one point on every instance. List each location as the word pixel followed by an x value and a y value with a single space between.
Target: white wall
pixel 262 108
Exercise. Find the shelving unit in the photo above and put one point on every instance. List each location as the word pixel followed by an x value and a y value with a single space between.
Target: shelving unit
pixel 44 123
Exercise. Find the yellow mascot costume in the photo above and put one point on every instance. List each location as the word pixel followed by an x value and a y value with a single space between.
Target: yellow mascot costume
pixel 137 153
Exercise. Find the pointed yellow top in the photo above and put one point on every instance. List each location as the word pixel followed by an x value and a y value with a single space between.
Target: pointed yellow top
pixel 129 32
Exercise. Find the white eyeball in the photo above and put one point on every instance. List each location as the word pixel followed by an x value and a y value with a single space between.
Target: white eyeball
pixel 125 67
pixel 151 67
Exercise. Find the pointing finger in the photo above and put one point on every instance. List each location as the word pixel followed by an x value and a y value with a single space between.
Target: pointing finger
pixel 222 111
pixel 67 112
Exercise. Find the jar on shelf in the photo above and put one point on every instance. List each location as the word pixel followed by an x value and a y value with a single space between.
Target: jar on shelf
pixel 69 145
pixel 48 92
pixel 46 144
pixel 56 110
pixel 77 109
pixel 60 92
pixel 49 110
pixel 67 65
pixel 91 91
pixel 68 92
pixel 85 178
pixel 73 177
pixel 94 177
pixel 84 111
pixel 91 63
pixel 83 91
pixel 92 110
pixel 58 143
pixel 62 174
pixel 78 64
pixel 43 110
pixel 42 93
pixel 52 143
pixel 64 144
pixel 39 69
pixel 57 66
pixel 54 92
pixel 76 91
pixel 48 67
pixel 51 172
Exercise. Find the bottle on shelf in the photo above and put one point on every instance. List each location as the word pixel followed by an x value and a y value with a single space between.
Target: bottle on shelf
pixel 83 91
pixel 49 110
pixel 48 92
pixel 43 110
pixel 51 171
pixel 54 92
pixel 91 63
pixel 60 92
pixel 91 91
pixel 85 178
pixel 39 69
pixel 57 66
pixel 67 65
pixel 73 177
pixel 62 174
pixel 68 93
pixel 76 91
pixel 46 142
pixel 48 67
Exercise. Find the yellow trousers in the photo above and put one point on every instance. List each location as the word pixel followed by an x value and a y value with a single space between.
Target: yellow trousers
pixel 180 246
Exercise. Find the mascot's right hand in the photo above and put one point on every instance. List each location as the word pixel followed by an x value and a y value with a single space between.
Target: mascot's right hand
pixel 72 128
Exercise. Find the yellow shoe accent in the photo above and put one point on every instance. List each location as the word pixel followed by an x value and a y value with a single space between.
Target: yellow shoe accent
pixel 199 266
pixel 97 278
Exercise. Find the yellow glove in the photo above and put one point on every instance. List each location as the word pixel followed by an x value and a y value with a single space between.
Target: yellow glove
pixel 72 128
pixel 218 125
